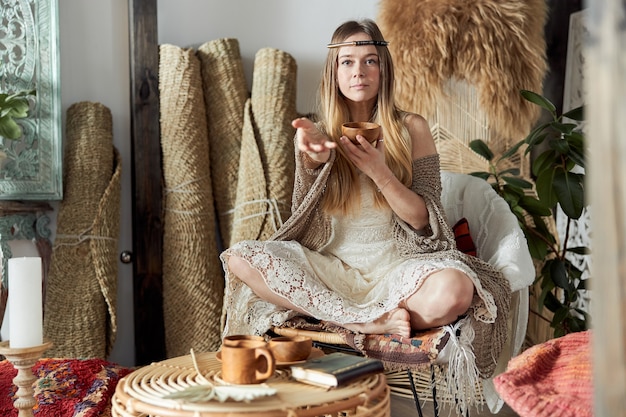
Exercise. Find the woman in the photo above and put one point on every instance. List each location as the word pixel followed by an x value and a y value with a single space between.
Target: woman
pixel 367 246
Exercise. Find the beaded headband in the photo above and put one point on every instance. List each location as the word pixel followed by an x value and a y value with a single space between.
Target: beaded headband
pixel 357 43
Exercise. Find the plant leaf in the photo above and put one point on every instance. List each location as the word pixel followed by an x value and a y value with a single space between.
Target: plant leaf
pixel 568 188
pixel 542 228
pixel 511 171
pixel 580 250
pixel 517 182
pixel 577 156
pixel 565 128
pixel 558 273
pixel 545 187
pixel 539 100
pixel 484 175
pixel 534 206
pixel 544 162
pixel 9 129
pixel 559 315
pixel 536 138
pixel 537 247
pixel 561 146
pixel 575 114
pixel 481 148
pixel 551 302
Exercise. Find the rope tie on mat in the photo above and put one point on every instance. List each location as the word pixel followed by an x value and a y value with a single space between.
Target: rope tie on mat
pixel 180 187
pixel 273 210
pixel 80 238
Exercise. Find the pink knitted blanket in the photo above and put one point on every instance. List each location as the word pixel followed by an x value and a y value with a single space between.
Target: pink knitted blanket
pixel 550 379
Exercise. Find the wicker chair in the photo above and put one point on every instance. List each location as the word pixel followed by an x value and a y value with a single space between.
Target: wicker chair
pixel 499 241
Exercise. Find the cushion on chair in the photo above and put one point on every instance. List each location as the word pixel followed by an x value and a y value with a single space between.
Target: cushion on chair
pixel 464 241
pixel 65 387
pixel 394 351
pixel 494 228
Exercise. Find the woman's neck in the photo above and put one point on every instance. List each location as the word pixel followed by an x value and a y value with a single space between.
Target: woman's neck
pixel 360 111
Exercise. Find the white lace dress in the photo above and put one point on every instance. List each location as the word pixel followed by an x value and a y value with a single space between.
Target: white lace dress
pixel 356 278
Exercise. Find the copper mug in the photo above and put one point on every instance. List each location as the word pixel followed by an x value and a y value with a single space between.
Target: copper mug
pixel 247 362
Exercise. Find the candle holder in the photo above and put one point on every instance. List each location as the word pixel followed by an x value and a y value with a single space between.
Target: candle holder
pixel 23 359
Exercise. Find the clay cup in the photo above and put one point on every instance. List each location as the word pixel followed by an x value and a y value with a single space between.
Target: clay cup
pixel 369 130
pixel 291 349
pixel 248 362
pixel 236 339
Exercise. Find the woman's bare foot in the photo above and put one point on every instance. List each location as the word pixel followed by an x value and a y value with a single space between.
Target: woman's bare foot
pixel 396 321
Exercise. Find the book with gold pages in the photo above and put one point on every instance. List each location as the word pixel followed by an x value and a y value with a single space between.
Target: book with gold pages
pixel 335 369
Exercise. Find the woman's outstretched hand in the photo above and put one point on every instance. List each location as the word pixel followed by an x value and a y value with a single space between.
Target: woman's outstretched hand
pixel 311 141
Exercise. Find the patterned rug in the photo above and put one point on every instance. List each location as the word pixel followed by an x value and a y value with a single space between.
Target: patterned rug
pixel 65 388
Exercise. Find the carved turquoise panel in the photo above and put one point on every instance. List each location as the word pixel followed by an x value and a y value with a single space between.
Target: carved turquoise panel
pixel 31 167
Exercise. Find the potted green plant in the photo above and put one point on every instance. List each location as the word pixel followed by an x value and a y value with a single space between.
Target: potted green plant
pixel 559 180
pixel 13 106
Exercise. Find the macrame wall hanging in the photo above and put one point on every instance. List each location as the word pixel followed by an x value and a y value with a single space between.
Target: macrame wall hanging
pixel 461 64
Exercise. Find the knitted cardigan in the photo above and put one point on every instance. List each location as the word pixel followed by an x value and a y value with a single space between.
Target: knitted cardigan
pixel 310 226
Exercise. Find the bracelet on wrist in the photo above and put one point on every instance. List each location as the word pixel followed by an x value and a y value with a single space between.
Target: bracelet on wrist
pixel 380 189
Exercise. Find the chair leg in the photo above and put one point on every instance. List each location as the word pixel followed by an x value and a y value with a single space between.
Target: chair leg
pixel 432 381
pixel 416 399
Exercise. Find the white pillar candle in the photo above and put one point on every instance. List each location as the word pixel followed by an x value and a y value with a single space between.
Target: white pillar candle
pixel 25 302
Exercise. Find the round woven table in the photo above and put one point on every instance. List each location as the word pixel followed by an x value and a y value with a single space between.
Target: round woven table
pixel 141 393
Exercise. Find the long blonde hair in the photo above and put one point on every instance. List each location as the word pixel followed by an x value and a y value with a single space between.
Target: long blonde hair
pixel 343 190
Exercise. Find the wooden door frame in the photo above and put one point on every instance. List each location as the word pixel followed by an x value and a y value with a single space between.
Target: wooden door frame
pixel 147 183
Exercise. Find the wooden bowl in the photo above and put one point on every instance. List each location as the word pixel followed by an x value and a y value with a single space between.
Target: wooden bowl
pixel 369 130
pixel 291 349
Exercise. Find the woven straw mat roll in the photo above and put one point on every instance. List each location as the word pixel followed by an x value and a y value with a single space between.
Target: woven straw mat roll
pixel 248 224
pixel 225 94
pixel 80 305
pixel 193 283
pixel 273 107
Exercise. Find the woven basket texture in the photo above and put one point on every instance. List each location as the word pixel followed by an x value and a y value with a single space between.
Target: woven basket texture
pixel 225 94
pixel 193 283
pixel 80 305
pixel 141 393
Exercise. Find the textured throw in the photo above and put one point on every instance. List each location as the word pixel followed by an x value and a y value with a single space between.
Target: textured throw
pixel 65 388
pixel 552 379
pixel 396 352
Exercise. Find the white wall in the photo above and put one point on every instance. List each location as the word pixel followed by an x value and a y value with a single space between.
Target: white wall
pixel 301 28
pixel 95 67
